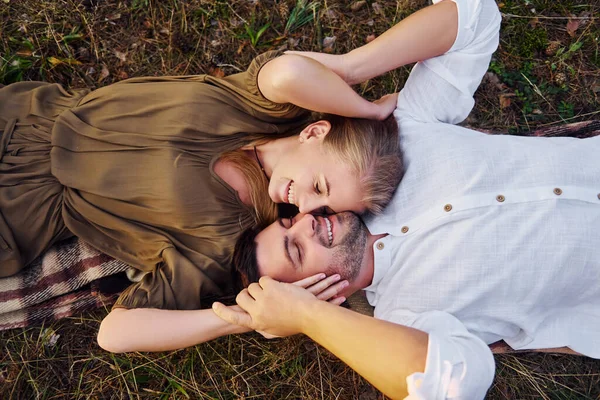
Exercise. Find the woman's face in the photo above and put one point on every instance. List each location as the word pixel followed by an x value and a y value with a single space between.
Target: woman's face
pixel 314 179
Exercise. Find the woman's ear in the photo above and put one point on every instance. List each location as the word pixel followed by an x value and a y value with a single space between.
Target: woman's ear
pixel 315 131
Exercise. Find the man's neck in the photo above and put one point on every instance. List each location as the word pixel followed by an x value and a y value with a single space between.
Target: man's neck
pixel 365 278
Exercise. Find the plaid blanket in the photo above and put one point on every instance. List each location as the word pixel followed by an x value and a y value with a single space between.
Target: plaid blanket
pixel 66 280
pixel 69 278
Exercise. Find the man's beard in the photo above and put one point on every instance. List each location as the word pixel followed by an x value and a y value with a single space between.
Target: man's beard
pixel 350 252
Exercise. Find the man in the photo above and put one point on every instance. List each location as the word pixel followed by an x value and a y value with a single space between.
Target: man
pixel 441 315
pixel 487 237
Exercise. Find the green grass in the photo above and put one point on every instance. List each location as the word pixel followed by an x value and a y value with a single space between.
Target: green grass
pixel 92 43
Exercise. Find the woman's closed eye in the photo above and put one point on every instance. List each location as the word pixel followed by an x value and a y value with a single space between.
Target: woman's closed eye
pixel 317 188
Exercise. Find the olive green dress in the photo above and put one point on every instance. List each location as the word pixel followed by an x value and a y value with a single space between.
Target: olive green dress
pixel 128 169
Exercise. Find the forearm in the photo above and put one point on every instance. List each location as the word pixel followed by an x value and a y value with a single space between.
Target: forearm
pixel 425 34
pixel 149 329
pixel 382 352
pixel 309 84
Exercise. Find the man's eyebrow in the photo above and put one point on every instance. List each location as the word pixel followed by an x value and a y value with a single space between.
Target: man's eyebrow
pixel 286 250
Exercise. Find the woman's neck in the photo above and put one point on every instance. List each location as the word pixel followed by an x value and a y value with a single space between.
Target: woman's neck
pixel 270 153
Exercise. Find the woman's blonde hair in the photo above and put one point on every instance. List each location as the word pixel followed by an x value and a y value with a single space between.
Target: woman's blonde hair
pixel 370 147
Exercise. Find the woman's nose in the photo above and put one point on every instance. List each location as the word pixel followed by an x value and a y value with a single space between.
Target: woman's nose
pixel 309 204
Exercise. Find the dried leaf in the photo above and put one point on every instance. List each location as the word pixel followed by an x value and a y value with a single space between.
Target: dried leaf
pixel 357 5
pixel 370 38
pixel 105 73
pixel 216 72
pixel 122 75
pixel 329 41
pixel 241 47
pixel 25 53
pixel 377 8
pixel 572 26
pixel 54 61
pixel 331 14
pixel 121 56
pixel 492 78
pixel 113 17
pixel 584 18
pixel 534 22
pixel 505 100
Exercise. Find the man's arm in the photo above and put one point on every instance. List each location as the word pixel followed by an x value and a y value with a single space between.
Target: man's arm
pixel 448 362
pixel 427 33
pixel 382 352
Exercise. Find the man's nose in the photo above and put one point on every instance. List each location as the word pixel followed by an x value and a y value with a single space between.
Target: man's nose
pixel 303 225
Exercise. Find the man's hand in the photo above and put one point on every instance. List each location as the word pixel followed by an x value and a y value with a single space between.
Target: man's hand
pixel 272 307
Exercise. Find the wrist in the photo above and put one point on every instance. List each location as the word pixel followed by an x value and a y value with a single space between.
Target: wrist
pixel 349 68
pixel 376 111
pixel 309 314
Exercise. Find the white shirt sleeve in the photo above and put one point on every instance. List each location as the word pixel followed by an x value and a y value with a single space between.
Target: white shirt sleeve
pixel 441 89
pixel 459 365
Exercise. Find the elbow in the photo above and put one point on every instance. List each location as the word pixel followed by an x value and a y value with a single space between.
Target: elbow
pixel 279 77
pixel 288 69
pixel 110 335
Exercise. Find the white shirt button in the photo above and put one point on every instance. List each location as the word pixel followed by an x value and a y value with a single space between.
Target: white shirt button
pixel 380 246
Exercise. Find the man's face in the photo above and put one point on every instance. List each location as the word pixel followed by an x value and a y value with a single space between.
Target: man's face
pixel 292 249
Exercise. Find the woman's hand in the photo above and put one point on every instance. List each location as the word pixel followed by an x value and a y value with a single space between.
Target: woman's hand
pixel 387 105
pixel 326 288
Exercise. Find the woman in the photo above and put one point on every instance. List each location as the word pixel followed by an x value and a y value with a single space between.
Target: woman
pixel 163 173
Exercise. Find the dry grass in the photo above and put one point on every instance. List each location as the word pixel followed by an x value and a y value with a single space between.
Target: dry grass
pixel 545 72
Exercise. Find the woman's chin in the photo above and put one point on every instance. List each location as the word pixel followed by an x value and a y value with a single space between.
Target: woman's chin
pixel 275 197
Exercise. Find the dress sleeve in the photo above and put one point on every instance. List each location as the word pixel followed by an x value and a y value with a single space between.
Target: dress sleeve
pixel 459 365
pixel 441 88
pixel 176 284
pixel 244 87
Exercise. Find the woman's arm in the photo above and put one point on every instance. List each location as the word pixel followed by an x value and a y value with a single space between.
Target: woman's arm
pixel 309 84
pixel 427 33
pixel 150 329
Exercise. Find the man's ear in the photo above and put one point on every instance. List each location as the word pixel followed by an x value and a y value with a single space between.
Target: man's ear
pixel 315 131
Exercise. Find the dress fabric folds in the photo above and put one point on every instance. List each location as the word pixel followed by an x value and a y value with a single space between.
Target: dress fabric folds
pixel 31 197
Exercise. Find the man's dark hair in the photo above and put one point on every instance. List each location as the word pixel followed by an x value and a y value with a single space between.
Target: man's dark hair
pixel 245 264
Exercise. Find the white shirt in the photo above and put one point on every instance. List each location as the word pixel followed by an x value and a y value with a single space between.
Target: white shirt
pixel 490 236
